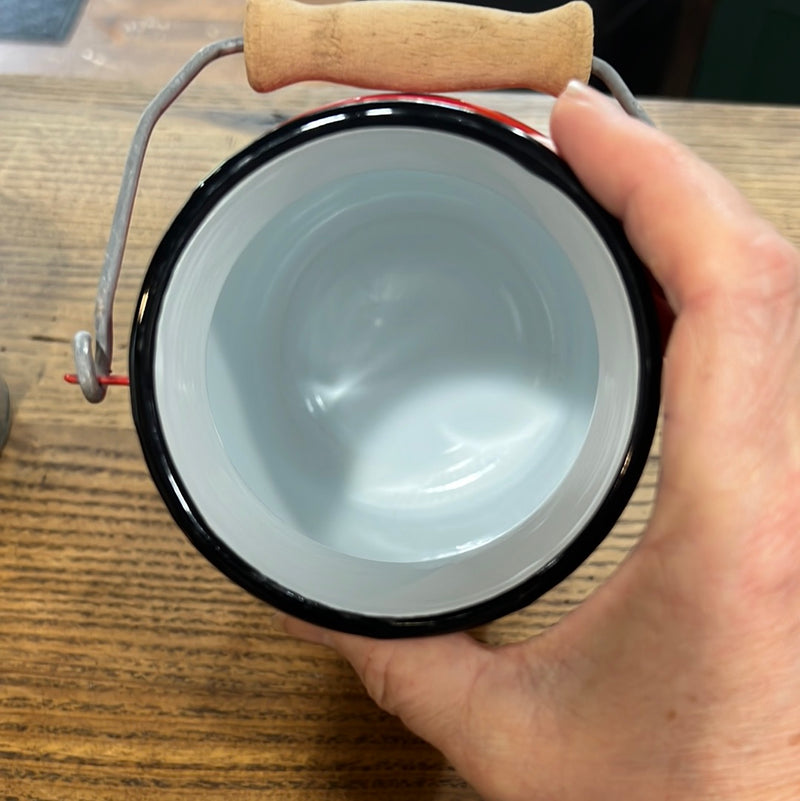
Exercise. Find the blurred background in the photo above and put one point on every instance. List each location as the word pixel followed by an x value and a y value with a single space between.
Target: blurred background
pixel 734 50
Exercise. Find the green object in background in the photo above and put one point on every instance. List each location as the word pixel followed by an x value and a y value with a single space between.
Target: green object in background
pixel 752 53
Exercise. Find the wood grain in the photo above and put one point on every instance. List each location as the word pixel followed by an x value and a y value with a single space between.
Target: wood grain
pixel 130 668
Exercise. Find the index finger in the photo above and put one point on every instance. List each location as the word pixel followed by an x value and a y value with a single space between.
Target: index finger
pixel 692 228
pixel 732 373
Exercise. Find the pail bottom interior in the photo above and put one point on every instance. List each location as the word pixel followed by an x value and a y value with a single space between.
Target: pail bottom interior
pixel 402 365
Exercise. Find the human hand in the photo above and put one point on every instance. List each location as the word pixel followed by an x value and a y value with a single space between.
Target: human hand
pixel 680 677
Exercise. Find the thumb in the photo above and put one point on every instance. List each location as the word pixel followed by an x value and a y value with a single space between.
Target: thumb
pixel 426 682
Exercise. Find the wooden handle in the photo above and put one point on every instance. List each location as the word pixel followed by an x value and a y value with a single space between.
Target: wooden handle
pixel 416 45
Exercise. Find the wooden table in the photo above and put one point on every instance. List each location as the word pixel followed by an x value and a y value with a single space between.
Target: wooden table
pixel 130 668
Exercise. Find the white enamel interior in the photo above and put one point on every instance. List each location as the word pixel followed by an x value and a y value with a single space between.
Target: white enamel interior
pixel 396 372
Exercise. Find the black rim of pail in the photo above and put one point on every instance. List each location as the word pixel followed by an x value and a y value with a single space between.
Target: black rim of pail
pixel 425 113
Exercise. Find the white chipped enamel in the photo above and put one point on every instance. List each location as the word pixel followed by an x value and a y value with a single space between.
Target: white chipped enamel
pixel 396 372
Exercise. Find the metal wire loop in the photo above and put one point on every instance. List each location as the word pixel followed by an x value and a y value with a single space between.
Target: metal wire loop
pixel 608 76
pixel 90 367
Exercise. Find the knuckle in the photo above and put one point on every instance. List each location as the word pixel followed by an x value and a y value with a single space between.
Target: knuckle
pixel 376 675
pixel 760 302
pixel 775 268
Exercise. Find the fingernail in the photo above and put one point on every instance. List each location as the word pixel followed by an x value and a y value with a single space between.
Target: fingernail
pixel 582 93
pixel 279 622
pixel 576 89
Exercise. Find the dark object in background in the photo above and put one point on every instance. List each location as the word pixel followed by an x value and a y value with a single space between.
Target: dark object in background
pixel 635 36
pixel 729 50
pixel 751 53
pixel 46 21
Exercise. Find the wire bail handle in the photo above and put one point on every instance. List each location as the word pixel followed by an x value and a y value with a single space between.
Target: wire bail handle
pixel 442 33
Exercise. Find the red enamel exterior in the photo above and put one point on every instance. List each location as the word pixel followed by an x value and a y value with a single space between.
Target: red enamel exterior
pixel 450 102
